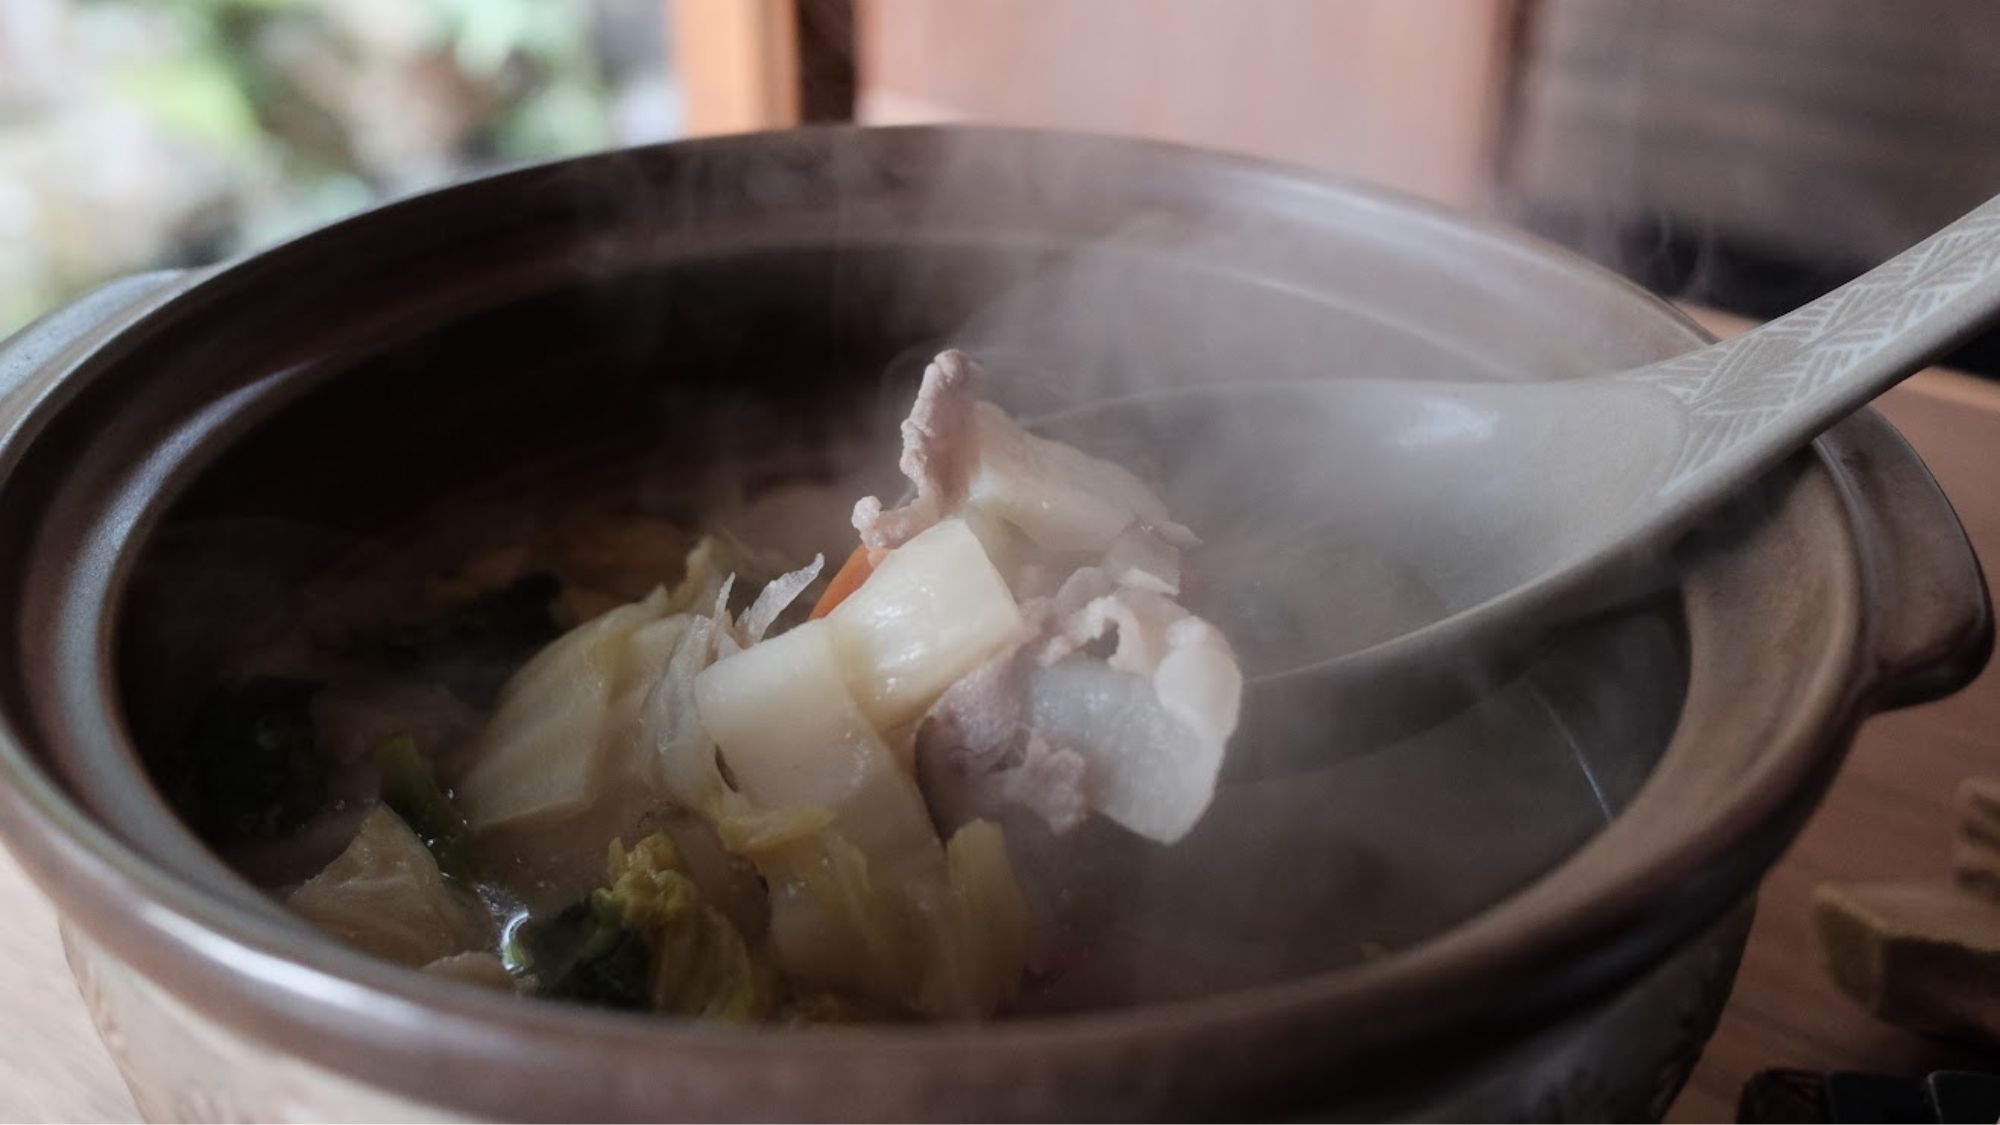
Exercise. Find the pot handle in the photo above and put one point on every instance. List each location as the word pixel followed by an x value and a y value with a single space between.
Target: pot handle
pixel 60 333
pixel 1930 617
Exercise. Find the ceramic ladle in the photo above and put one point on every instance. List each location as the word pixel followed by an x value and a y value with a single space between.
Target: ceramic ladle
pixel 1395 546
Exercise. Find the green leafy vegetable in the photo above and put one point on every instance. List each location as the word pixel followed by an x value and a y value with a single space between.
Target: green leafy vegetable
pixel 587 954
pixel 472 648
pixel 250 767
pixel 648 941
pixel 410 787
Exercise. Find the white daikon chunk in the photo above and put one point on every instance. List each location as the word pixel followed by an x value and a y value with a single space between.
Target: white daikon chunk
pixel 932 611
pixel 793 736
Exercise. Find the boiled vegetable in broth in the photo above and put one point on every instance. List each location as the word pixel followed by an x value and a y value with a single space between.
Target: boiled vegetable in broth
pixel 631 766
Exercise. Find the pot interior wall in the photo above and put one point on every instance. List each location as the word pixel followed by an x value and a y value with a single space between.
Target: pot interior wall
pixel 687 382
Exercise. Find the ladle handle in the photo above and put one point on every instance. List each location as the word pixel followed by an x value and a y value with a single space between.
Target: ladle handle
pixel 1755 399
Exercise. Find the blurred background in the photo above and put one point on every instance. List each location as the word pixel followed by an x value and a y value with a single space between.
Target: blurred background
pixel 1745 155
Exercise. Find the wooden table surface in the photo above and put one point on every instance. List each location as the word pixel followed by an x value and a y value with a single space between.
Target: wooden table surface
pixel 1886 817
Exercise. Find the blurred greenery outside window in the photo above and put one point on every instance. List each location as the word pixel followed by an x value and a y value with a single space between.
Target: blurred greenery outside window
pixel 143 133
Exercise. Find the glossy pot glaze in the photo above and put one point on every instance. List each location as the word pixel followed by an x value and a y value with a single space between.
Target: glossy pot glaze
pixel 179 454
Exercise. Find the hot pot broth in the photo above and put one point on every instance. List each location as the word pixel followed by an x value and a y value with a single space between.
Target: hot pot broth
pixel 1277 878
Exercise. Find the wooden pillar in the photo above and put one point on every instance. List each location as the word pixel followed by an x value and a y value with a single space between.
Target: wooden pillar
pixel 763 64
pixel 738 64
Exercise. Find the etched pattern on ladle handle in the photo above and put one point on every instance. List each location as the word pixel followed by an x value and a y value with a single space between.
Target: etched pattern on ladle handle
pixel 1797 375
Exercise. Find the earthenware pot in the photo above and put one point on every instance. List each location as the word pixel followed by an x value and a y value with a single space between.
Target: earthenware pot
pixel 1384 933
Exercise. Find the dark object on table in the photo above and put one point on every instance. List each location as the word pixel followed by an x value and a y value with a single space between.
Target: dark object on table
pixel 1875 1097
pixel 1963 1095
pixel 1790 1096
pixel 1948 1096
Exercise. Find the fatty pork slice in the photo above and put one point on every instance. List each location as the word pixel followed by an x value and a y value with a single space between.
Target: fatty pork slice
pixel 961 453
pixel 1137 735
pixel 938 448
pixel 978 752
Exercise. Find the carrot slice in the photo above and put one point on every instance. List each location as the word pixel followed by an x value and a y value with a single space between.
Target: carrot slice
pixel 846 580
